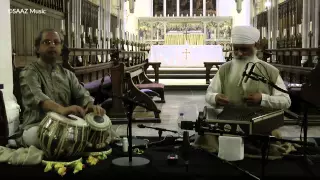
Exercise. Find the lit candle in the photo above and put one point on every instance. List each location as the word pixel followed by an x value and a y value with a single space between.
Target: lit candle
pixel 310 26
pixel 270 34
pixel 97 33
pixel 292 30
pixel 62 24
pixel 300 27
pixel 82 29
pixel 278 33
pixel 89 31
pixel 72 27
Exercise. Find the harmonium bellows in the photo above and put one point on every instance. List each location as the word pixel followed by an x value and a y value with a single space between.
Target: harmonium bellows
pixel 244 120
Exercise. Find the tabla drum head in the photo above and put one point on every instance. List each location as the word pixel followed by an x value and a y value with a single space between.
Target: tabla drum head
pixel 71 119
pixel 97 122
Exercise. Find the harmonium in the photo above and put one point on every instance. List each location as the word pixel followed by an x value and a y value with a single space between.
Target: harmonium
pixel 240 120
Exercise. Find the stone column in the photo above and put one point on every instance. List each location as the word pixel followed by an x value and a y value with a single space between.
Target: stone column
pixel 270 23
pixel 275 25
pixel 316 23
pixel 5 50
pixel 191 8
pixel 178 7
pixel 164 8
pixel 108 17
pixel 76 20
pixel 305 28
pixel 204 8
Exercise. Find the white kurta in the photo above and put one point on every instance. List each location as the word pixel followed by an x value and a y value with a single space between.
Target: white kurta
pixel 277 99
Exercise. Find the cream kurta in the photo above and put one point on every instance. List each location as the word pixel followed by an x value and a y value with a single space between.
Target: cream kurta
pixel 275 99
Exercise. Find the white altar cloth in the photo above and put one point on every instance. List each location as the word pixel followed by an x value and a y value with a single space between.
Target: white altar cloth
pixel 185 55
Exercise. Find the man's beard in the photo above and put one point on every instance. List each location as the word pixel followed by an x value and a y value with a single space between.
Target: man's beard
pixel 49 57
pixel 245 58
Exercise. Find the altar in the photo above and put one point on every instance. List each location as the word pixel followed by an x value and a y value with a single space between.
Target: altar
pixel 186 56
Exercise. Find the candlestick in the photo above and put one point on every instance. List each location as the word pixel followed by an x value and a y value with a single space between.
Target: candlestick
pixel 310 26
pixel 300 27
pixel 82 29
pixel 102 33
pixel 111 35
pixel 89 31
pixel 62 24
pixel 72 27
pixel 125 36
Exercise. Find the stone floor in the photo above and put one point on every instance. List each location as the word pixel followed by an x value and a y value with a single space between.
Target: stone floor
pixel 191 102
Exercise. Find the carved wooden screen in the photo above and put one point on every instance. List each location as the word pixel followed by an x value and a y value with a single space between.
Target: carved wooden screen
pixel 262 22
pixel 171 7
pixel 197 7
pixel 157 7
pixel 89 16
pixel 210 7
pixel 184 7
pixel 25 27
pixel 51 4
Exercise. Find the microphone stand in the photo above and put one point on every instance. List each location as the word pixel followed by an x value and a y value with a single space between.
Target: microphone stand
pixel 160 130
pixel 130 161
pixel 260 78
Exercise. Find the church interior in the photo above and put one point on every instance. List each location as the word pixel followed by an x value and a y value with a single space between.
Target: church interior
pixel 152 75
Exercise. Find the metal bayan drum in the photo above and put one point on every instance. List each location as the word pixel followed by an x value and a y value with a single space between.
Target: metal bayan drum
pixel 61 137
pixel 100 131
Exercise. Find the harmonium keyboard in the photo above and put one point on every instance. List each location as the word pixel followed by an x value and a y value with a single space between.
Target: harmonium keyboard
pixel 243 120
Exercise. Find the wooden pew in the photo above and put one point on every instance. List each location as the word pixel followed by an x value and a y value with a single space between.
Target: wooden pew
pixel 123 84
pixel 208 66
pixel 295 75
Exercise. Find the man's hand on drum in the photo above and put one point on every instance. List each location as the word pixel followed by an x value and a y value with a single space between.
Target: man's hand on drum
pixel 75 110
pixel 96 109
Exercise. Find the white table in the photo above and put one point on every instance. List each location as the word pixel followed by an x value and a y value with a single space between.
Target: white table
pixel 185 55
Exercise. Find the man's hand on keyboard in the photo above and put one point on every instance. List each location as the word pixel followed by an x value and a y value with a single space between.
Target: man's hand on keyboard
pixel 222 100
pixel 253 99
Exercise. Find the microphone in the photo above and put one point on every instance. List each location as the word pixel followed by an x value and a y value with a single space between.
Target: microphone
pixel 156 128
pixel 243 75
pixel 250 72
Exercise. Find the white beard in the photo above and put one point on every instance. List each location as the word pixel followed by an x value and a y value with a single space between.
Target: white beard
pixel 238 66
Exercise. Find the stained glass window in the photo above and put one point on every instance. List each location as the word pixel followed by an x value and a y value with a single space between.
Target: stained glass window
pixel 184 7
pixel 197 7
pixel 157 8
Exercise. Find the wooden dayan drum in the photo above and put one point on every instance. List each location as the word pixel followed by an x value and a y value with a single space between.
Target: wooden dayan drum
pixel 100 131
pixel 61 137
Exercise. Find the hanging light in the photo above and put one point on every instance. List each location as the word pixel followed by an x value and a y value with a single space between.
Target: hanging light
pixel 131 5
pixel 239 5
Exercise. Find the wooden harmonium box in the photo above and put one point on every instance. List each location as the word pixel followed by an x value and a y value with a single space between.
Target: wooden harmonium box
pixel 234 120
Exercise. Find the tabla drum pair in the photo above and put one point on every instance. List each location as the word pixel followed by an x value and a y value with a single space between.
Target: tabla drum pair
pixel 63 137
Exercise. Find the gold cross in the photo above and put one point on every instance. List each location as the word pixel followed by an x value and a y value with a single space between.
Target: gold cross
pixel 187 52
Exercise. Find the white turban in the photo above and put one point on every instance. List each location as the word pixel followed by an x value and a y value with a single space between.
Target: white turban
pixel 244 35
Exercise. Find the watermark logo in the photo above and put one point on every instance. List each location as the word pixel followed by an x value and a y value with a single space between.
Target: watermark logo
pixel 27 11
